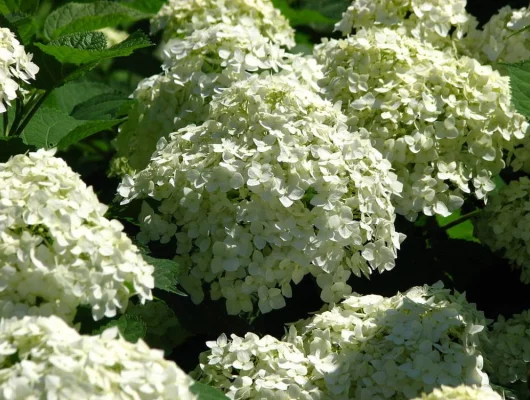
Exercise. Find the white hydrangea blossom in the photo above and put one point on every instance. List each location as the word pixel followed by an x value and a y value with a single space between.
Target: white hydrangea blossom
pixel 15 64
pixel 442 121
pixel 508 350
pixel 180 18
pixel 504 225
pixel 42 357
pixel 492 43
pixel 430 20
pixel 57 250
pixel 270 188
pixel 196 67
pixel 461 392
pixel 367 347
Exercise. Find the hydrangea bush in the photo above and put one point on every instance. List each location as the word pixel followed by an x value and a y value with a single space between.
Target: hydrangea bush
pixel 442 121
pixel 57 249
pixel 366 347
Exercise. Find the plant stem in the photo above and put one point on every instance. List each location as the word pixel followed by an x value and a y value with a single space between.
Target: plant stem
pixel 461 219
pixel 5 118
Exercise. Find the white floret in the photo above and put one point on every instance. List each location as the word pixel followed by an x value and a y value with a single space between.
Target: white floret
pixel 462 392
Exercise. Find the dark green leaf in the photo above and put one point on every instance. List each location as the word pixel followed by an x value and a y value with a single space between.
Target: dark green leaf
pixel 462 231
pixel 65 53
pixel 166 273
pixel 331 9
pixel 10 146
pixel 206 392
pixel 103 106
pixel 9 6
pixel 86 129
pixel 79 17
pixel 21 24
pixel 299 17
pixel 164 330
pixel 67 97
pixel 131 327
pixel 520 85
pixel 147 6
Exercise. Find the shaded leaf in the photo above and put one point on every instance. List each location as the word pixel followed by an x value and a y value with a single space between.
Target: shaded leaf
pixel 303 16
pixel 520 86
pixel 463 231
pixel 10 146
pixel 79 17
pixel 131 327
pixel 332 9
pixel 62 49
pixel 103 106
pixel 206 392
pixel 21 24
pixel 166 273
pixel 147 6
pixel 86 129
pixel 68 96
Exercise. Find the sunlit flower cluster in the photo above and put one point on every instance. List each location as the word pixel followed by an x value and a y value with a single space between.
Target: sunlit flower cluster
pixel 504 225
pixel 367 347
pixel 195 67
pixel 42 357
pixel 461 392
pixel 270 188
pixel 442 121
pixel 15 66
pixel 179 18
pixel 508 350
pixel 440 22
pixel 494 42
pixel 57 250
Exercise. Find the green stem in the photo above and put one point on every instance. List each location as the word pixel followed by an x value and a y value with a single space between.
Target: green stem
pixel 30 114
pixel 5 118
pixel 20 111
pixel 461 219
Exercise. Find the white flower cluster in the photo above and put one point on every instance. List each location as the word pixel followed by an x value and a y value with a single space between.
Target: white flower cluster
pixel 179 18
pixel 442 121
pixel 431 20
pixel 367 347
pixel 196 67
pixel 15 64
pixel 270 188
pixel 504 225
pixel 57 250
pixel 508 350
pixel 494 43
pixel 42 357
pixel 461 392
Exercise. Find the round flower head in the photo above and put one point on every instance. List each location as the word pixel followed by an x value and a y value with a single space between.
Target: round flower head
pixel 42 357
pixel 508 351
pixel 461 392
pixel 504 225
pixel 57 250
pixel 494 43
pixel 270 188
pixel 180 18
pixel 15 65
pixel 195 67
pixel 442 121
pixel 432 20
pixel 367 347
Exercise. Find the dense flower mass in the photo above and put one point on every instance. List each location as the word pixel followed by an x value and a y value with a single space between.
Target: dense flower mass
pixel 504 225
pixel 461 392
pixel 442 121
pixel 270 188
pixel 180 18
pixel 195 67
pixel 508 351
pixel 367 347
pixel 494 42
pixel 15 66
pixel 57 250
pixel 440 22
pixel 42 357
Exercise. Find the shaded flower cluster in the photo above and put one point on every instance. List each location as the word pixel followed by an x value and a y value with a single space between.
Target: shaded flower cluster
pixel 504 225
pixel 273 186
pixel 461 392
pixel 442 121
pixel 366 347
pixel 42 357
pixel 57 250
pixel 15 66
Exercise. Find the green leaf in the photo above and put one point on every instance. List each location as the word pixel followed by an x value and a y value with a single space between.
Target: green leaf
pixel 206 392
pixel 463 231
pixel 166 273
pixel 164 330
pixel 103 106
pixel 69 96
pixel 520 86
pixel 21 24
pixel 131 327
pixel 148 6
pixel 85 130
pixel 299 17
pixel 64 50
pixel 79 17
pixel 9 6
pixel 10 146
pixel 331 9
